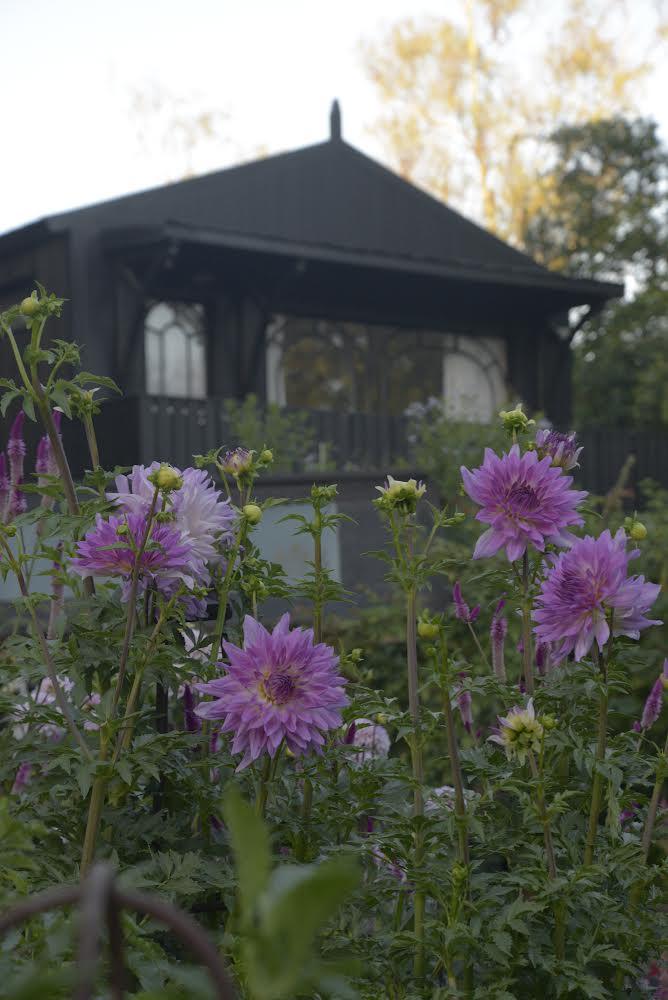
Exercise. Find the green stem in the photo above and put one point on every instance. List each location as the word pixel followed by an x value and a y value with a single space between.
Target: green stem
pixel 476 640
pixel 418 772
pixel 223 593
pixel 307 803
pixel 317 573
pixel 527 645
pixel 559 908
pixel 263 790
pixel 653 807
pixel 132 605
pixel 91 439
pixel 455 764
pixel 597 784
pixel 17 357
pixel 94 809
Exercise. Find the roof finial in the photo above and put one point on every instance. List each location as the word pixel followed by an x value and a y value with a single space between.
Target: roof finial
pixel 335 122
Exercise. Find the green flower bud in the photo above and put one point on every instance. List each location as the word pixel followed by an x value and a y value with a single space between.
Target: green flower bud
pixel 638 531
pixel 8 529
pixel 252 513
pixel 166 478
pixel 428 630
pixel 29 305
pixel 515 421
pixel 266 456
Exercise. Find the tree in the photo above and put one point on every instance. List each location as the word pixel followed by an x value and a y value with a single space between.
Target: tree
pixel 607 217
pixel 471 99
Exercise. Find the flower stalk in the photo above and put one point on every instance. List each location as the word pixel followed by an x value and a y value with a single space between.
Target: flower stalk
pixel 601 743
pixel 527 643
pixel 654 803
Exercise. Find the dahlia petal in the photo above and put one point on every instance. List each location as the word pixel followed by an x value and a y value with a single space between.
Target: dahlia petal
pixel 488 544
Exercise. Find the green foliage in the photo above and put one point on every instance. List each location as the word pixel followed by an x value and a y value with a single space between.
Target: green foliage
pixel 354 872
pixel 608 219
pixel 256 425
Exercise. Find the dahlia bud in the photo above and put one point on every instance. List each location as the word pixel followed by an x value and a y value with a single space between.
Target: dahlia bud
pixel 635 529
pixel 266 456
pixel 562 448
pixel 515 421
pixel 29 305
pixel 400 495
pixel 238 462
pixel 253 513
pixel 428 630
pixel 166 479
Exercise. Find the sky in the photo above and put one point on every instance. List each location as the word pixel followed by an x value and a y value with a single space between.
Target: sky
pixel 71 70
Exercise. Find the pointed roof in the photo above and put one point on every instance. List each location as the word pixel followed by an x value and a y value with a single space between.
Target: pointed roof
pixel 330 199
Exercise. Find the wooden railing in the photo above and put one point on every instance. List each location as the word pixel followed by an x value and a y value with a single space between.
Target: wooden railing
pixel 144 428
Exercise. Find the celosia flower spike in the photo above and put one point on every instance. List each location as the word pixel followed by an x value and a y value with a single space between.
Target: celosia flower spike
pixel 16 450
pixel 464 703
pixel 462 610
pixel 281 686
pixel 525 500
pixel 588 588
pixel 654 703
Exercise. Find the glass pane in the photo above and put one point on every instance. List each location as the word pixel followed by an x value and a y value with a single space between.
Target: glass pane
pixel 175 349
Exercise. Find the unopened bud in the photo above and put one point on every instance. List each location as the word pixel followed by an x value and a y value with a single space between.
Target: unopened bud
pixel 252 513
pixel 549 721
pixel 166 478
pixel 29 306
pixel 8 529
pixel 515 421
pixel 381 719
pixel 638 531
pixel 266 456
pixel 428 630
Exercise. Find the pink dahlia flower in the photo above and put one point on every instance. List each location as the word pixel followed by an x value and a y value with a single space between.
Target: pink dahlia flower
pixel 280 686
pixel 107 550
pixel 526 500
pixel 588 589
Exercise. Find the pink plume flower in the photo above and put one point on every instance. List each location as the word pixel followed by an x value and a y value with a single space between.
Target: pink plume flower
pixel 587 587
pixel 654 703
pixel 279 686
pixel 464 703
pixel 462 610
pixel 526 500
pixel 16 448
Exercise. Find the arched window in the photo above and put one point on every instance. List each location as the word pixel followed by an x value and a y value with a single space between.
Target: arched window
pixel 175 349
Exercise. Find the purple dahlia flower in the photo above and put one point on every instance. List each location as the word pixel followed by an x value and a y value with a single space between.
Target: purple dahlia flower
pixel 526 500
pixel 562 448
pixel 203 517
pixel 587 588
pixel 109 550
pixel 280 686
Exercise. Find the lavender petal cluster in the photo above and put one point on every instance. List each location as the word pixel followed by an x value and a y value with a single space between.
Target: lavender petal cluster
pixel 527 501
pixel 588 595
pixel 562 449
pixel 281 686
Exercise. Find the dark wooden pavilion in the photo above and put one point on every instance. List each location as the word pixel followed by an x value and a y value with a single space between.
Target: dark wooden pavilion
pixel 317 279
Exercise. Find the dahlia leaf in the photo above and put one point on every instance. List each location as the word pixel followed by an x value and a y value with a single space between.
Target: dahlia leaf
pixel 250 844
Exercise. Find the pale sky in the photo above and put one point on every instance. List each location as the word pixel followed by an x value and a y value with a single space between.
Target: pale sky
pixel 70 67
